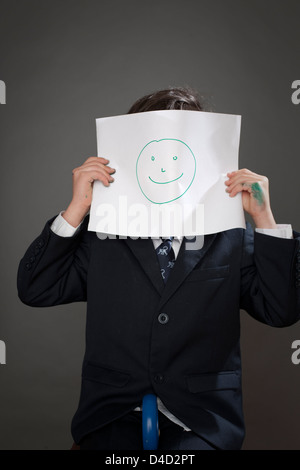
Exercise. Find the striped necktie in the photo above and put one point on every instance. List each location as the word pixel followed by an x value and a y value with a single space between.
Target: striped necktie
pixel 166 257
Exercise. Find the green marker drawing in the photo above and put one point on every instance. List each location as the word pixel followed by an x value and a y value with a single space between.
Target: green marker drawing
pixel 165 170
pixel 257 193
pixel 165 182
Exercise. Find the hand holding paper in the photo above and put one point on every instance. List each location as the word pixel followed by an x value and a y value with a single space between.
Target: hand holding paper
pixel 255 196
pixel 94 168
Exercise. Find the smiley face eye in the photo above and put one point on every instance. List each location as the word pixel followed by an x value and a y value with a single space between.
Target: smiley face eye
pixel 175 158
pixel 152 158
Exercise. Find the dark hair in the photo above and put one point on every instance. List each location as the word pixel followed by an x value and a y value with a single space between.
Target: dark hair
pixel 170 98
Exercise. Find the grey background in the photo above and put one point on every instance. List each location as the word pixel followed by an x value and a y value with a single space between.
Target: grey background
pixel 68 62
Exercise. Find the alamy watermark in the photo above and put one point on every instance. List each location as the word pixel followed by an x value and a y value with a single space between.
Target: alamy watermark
pixel 2 352
pixel 2 92
pixel 296 354
pixel 157 220
pixel 296 94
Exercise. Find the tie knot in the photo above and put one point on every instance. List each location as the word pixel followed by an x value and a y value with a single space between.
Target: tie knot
pixel 167 239
pixel 165 247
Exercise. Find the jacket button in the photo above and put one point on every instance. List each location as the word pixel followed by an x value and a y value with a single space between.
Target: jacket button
pixel 159 379
pixel 28 266
pixel 40 243
pixel 163 318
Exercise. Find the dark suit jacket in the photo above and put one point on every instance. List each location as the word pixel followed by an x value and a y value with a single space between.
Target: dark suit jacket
pixel 192 360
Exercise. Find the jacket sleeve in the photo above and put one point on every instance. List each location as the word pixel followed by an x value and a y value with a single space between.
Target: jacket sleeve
pixel 53 270
pixel 270 278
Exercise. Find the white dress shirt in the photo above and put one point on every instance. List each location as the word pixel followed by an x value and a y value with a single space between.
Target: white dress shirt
pixel 62 228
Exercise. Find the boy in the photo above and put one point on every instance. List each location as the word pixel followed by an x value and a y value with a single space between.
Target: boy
pixel 177 339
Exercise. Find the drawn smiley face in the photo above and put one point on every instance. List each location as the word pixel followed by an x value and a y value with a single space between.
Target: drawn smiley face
pixel 165 170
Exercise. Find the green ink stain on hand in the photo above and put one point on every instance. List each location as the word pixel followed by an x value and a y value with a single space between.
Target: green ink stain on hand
pixel 257 193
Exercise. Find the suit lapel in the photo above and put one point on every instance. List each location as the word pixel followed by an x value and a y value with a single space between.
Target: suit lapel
pixel 144 252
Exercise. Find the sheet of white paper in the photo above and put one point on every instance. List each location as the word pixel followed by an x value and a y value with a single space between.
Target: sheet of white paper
pixel 171 168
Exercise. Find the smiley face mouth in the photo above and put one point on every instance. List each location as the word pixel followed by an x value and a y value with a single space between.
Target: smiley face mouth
pixel 166 182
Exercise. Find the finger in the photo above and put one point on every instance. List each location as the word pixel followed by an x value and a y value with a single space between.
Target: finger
pixel 231 173
pixel 103 160
pixel 243 174
pixel 234 175
pixel 95 166
pixel 241 178
pixel 254 189
pixel 103 176
pixel 244 171
pixel 93 159
pixel 238 188
pixel 94 174
pixel 227 182
pixel 100 176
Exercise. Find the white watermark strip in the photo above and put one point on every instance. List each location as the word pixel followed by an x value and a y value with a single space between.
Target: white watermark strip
pixel 296 354
pixel 141 221
pixel 2 92
pixel 2 352
pixel 296 94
